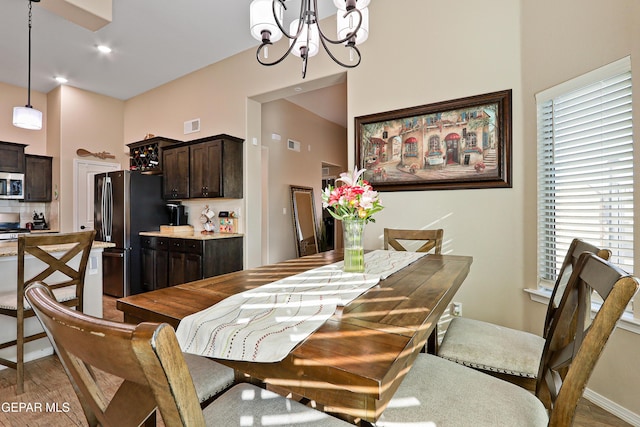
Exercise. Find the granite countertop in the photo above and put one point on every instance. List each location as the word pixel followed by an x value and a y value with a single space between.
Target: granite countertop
pixel 195 235
pixel 8 249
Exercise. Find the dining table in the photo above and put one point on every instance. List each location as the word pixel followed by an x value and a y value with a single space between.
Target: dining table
pixel 355 361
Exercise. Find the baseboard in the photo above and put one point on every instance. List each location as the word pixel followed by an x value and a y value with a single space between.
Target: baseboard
pixel 612 407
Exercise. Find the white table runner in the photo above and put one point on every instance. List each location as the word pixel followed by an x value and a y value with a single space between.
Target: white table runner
pixel 266 323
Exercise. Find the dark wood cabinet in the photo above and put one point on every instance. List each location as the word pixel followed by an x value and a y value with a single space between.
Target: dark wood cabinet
pixel 37 178
pixel 213 168
pixel 216 167
pixel 11 157
pixel 176 173
pixel 168 261
pixel 146 155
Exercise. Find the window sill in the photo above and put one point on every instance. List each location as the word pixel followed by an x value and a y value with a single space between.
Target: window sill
pixel 627 321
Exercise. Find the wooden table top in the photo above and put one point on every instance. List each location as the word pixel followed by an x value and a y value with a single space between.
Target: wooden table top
pixel 352 364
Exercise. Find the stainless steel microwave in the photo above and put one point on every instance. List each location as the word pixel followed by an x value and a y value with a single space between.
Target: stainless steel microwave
pixel 11 185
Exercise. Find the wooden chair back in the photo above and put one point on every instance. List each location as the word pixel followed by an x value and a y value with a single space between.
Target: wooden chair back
pixel 576 248
pixel 432 239
pixel 146 356
pixel 58 272
pixel 574 344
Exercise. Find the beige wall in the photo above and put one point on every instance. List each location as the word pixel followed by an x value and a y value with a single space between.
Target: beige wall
pixel 562 40
pixel 320 141
pixel 448 51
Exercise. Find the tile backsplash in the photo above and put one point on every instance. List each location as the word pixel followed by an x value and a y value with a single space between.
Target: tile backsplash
pixel 194 208
pixel 50 211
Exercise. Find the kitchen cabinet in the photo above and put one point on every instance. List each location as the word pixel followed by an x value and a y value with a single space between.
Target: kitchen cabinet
pixel 175 173
pixel 170 261
pixel 216 167
pixel 37 178
pixel 146 155
pixel 11 157
pixel 212 168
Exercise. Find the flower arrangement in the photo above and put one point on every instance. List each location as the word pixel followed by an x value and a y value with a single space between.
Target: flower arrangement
pixel 355 199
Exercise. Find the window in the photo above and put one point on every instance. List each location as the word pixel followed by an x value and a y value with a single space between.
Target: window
pixel 585 167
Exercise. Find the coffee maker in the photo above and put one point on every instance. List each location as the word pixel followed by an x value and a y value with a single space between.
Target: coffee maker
pixel 177 214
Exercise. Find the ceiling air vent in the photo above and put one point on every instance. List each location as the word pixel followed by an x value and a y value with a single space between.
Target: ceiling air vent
pixel 192 126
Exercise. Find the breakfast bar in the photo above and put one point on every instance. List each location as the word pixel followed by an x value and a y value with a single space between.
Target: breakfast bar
pixel 8 271
pixel 355 361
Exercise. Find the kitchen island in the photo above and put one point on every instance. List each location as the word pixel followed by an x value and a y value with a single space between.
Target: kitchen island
pixel 8 272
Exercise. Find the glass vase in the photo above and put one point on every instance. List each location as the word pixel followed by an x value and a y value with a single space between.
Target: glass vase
pixel 353 231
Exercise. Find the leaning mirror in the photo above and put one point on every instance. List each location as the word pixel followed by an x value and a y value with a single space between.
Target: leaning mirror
pixel 304 220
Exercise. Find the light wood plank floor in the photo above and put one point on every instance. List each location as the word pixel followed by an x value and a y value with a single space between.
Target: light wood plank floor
pixel 49 399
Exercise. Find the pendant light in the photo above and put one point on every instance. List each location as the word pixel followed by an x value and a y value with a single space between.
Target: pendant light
pixel 305 35
pixel 28 117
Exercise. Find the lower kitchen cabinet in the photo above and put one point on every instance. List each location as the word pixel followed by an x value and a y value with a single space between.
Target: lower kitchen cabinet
pixel 169 261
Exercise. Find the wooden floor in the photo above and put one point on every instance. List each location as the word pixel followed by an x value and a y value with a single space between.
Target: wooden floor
pixel 49 399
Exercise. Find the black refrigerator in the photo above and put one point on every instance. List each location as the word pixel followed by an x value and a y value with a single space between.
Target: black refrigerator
pixel 126 203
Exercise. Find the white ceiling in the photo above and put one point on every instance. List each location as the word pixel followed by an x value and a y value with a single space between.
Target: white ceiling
pixel 153 42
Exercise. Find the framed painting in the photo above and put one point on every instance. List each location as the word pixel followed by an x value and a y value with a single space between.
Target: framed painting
pixel 459 144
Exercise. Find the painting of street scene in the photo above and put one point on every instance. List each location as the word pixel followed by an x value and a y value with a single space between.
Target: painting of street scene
pixel 457 144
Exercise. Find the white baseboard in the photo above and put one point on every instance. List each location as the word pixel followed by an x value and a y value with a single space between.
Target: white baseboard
pixel 612 407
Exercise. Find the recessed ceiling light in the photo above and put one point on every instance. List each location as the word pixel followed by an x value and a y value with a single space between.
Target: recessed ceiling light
pixel 104 49
pixel 61 79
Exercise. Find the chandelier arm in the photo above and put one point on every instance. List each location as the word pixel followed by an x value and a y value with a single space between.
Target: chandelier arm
pixel 277 61
pixel 336 60
pixel 300 20
pixel 348 37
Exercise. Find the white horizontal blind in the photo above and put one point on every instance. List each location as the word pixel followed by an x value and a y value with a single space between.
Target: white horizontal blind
pixel 585 167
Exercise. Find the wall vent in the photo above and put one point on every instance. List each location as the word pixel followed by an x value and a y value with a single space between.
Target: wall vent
pixel 293 145
pixel 192 126
pixel 325 171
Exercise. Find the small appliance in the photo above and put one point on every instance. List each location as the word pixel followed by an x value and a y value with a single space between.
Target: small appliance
pixel 177 214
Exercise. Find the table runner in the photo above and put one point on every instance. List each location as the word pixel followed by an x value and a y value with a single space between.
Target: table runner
pixel 266 323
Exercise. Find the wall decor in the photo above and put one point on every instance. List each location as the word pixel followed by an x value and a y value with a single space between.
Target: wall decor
pixel 459 144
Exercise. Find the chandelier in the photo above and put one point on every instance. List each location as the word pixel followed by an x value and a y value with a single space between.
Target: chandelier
pixel 305 34
pixel 28 117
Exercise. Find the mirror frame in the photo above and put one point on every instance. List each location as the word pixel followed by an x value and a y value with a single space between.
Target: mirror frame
pixel 303 247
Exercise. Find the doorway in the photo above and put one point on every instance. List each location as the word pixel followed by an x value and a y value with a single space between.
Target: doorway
pixel 83 190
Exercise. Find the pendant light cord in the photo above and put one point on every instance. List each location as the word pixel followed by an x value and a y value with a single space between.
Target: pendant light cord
pixel 29 66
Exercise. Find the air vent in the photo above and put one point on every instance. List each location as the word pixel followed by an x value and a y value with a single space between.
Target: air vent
pixel 325 171
pixel 293 145
pixel 192 126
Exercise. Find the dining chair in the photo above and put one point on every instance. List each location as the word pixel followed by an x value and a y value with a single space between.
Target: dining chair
pixel 439 392
pixel 507 353
pixel 148 358
pixel 63 272
pixel 433 239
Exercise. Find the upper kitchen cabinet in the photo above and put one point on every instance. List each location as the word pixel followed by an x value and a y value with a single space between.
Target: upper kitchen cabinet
pixel 146 155
pixel 175 182
pixel 37 178
pixel 204 168
pixel 216 167
pixel 11 157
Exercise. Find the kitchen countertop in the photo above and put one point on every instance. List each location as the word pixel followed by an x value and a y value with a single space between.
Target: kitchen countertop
pixel 195 235
pixel 11 248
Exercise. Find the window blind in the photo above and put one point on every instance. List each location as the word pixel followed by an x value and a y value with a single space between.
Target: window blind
pixel 585 167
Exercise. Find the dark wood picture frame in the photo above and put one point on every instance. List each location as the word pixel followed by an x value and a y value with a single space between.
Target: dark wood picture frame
pixel 459 144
